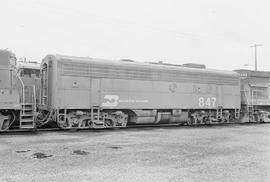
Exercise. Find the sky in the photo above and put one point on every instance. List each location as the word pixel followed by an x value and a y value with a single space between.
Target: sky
pixel 217 33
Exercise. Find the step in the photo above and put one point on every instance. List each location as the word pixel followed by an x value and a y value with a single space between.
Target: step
pixel 27 123
pixel 27 109
pixel 26 120
pixel 98 126
pixel 27 126
pixel 28 104
pixel 28 100
pixel 98 122
pixel 27 115
pixel 27 112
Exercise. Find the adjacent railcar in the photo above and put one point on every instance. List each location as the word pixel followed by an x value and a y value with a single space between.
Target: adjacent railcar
pixel 255 91
pixel 17 92
pixel 95 93
pixel 9 94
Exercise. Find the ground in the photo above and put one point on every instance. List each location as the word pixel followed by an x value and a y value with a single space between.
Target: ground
pixel 214 153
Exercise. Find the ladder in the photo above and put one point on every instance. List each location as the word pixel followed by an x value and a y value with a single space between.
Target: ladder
pixel 219 114
pixel 237 113
pixel 28 107
pixel 250 108
pixel 96 119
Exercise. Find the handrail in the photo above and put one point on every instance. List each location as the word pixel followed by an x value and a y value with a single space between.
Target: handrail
pixel 252 99
pixel 34 95
pixel 23 96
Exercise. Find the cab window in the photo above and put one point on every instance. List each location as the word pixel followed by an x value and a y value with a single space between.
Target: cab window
pixel 29 73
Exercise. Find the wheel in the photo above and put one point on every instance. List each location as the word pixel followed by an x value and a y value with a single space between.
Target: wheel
pixel 251 118
pixel 62 122
pixel 6 121
pixel 206 120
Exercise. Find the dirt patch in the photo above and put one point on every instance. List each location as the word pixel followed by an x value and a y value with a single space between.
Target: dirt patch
pixel 40 155
pixel 115 147
pixel 80 152
pixel 22 151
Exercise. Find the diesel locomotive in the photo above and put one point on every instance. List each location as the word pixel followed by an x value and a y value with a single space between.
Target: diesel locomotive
pixel 19 90
pixel 255 91
pixel 95 93
pixel 77 92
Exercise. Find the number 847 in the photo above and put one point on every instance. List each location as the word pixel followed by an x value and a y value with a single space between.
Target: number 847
pixel 207 102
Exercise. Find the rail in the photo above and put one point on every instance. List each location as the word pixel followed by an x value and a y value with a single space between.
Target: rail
pixel 130 127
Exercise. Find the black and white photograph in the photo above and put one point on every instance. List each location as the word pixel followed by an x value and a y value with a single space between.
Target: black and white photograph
pixel 135 91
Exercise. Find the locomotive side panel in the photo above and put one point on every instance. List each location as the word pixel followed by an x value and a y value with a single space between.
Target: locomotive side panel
pixel 74 92
pixel 84 84
pixel 232 96
pixel 136 94
pixel 9 95
pixel 9 100
pixel 5 77
pixel 9 90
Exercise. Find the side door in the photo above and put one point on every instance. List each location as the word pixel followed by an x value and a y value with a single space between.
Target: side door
pixel 220 95
pixel 95 92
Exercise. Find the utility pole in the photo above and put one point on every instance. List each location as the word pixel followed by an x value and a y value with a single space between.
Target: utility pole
pixel 255 54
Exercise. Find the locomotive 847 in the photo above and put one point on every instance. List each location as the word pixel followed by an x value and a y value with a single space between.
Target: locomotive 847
pixel 94 93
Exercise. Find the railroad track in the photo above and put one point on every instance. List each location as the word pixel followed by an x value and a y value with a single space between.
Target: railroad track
pixel 37 130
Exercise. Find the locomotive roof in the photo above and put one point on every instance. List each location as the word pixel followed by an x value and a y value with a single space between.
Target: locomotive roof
pixel 7 57
pixel 140 65
pixel 27 64
pixel 253 73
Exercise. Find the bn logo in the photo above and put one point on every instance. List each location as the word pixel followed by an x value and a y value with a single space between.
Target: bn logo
pixel 110 100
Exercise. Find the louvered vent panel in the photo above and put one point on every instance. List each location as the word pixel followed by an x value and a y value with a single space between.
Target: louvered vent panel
pixel 134 73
